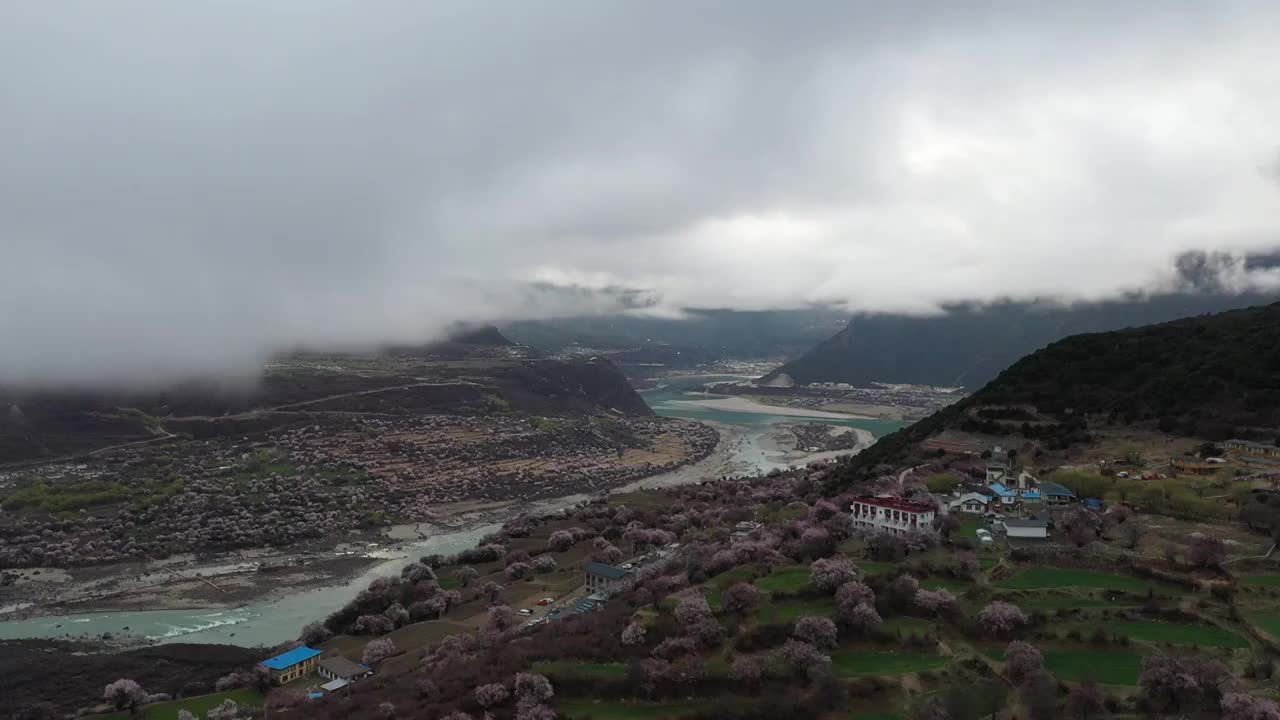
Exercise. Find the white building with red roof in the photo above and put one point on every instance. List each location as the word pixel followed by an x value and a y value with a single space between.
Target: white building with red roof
pixel 891 515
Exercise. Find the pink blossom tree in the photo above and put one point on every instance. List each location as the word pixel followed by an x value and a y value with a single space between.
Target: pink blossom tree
pixel 501 618
pixel 533 688
pixel 466 575
pixel 1001 619
pixel 491 695
pixel 741 599
pixel 819 632
pixel 378 650
pixel 492 591
pixel 748 670
pixel 860 619
pixel 828 574
pixel 633 634
pixel 936 602
pixel 1021 660
pixel 1242 706
pixel 124 694
pixel 802 657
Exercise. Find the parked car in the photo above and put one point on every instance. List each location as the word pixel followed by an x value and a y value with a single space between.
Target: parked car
pixel 525 611
pixel 546 601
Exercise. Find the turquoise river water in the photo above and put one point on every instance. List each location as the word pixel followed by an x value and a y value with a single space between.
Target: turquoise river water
pixel 272 621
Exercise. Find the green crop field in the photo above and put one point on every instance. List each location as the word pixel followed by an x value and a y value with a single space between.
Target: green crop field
pixel 1269 622
pixel 1179 634
pixel 907 627
pixel 955 586
pixel 1106 667
pixel 713 588
pixel 872 567
pixel 1042 578
pixel 1267 581
pixel 1056 601
pixel 785 580
pixel 625 711
pixel 859 662
pixel 198 705
pixel 570 669
pixel 784 610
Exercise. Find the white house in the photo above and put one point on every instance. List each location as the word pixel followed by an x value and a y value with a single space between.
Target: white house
pixel 972 503
pixel 891 515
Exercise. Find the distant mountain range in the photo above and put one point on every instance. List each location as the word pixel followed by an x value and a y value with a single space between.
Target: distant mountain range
pixel 971 344
pixel 1212 377
pixel 704 336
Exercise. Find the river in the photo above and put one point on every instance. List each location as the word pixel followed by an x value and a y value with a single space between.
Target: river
pixel 274 621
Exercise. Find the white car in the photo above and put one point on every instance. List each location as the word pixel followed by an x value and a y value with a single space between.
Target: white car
pixel 525 611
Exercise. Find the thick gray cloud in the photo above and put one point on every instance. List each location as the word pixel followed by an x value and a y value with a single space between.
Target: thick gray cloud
pixel 185 187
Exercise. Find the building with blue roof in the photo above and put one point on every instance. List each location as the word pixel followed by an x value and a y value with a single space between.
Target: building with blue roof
pixel 1004 494
pixel 1056 494
pixel 291 665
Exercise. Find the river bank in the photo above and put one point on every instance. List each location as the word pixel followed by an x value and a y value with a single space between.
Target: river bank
pixel 746 405
pixel 182 599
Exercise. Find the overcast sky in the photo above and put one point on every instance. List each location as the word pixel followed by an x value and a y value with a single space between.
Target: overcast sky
pixel 186 186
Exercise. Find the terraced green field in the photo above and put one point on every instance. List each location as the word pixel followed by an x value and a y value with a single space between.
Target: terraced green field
pixel 858 662
pixel 713 588
pixel 785 580
pixel 907 627
pixel 1105 666
pixel 1267 581
pixel 570 669
pixel 955 586
pixel 1048 601
pixel 784 610
pixel 626 711
pixel 1044 578
pixel 1269 622
pixel 872 567
pixel 1179 634
pixel 198 705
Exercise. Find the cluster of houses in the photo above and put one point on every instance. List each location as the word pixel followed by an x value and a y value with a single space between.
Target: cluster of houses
pixel 1017 505
pixel 302 661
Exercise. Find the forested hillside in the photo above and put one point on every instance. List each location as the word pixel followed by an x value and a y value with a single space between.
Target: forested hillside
pixel 1214 377
pixel 971 344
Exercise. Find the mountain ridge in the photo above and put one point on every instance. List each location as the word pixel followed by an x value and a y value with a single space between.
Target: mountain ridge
pixel 971 344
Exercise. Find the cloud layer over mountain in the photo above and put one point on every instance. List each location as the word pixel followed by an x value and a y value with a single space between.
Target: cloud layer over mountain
pixel 186 187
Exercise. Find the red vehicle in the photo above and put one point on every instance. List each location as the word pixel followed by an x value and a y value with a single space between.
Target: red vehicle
pixel 546 601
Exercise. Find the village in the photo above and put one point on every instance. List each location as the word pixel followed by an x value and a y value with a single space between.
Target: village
pixel 652 599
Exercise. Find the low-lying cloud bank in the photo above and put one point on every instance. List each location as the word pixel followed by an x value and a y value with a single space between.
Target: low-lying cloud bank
pixel 187 188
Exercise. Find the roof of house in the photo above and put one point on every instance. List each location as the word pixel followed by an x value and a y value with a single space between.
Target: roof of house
pixel 1054 489
pixel 1031 494
pixel 979 497
pixel 1011 522
pixel 1001 490
pixel 894 504
pixel 291 658
pixel 335 684
pixel 608 571
pixel 344 668
pixel 1252 444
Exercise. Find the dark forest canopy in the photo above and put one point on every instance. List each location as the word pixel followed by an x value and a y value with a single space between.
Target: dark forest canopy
pixel 1214 376
pixel 971 344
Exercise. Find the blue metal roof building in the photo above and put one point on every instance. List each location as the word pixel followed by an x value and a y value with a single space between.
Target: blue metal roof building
pixel 286 660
